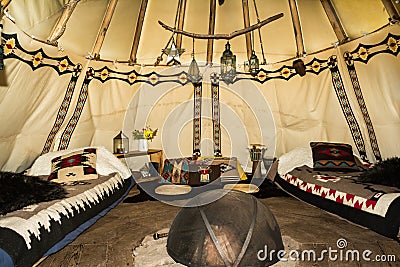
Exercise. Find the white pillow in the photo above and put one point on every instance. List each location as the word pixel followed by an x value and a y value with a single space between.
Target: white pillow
pixel 106 163
pixel 297 157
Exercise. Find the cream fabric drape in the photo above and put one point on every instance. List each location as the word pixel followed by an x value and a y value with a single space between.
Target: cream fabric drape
pixel 280 113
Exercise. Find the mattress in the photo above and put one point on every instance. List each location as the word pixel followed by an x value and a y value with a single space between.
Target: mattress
pixel 342 193
pixel 39 230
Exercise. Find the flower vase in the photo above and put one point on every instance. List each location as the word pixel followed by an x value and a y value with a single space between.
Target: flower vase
pixel 143 145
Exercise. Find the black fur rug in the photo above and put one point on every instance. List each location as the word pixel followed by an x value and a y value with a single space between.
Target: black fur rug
pixel 18 191
pixel 386 172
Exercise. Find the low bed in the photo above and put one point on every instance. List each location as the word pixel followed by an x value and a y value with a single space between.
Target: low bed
pixel 341 192
pixel 38 230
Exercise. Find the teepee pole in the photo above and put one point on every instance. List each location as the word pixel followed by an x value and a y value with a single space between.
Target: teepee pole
pixel 181 20
pixel 103 29
pixel 60 26
pixel 138 32
pixel 297 28
pixel 211 28
pixel 334 20
pixel 391 10
pixel 246 18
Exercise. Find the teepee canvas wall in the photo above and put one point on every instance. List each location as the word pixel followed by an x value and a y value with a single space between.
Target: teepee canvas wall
pixel 59 97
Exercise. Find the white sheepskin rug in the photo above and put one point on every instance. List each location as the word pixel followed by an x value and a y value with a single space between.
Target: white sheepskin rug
pixel 153 253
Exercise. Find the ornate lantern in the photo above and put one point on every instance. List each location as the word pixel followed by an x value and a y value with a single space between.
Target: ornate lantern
pixel 228 65
pixel 121 144
pixel 194 72
pixel 254 63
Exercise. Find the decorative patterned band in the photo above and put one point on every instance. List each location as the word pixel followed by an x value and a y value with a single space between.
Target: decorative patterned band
pixel 346 108
pixel 83 94
pixel 63 110
pixel 197 119
pixel 360 99
pixel 215 114
pixel 35 59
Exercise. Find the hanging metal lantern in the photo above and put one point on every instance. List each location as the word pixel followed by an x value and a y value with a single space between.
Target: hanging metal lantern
pixel 254 64
pixel 228 65
pixel 121 144
pixel 194 72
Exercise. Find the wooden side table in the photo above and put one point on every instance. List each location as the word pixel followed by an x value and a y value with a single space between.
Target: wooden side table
pixel 156 155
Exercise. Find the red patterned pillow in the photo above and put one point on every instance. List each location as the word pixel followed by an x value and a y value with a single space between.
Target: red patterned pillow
pixel 76 166
pixel 333 157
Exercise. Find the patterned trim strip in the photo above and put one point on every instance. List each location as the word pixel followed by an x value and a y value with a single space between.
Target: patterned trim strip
pixel 346 108
pixel 83 94
pixel 215 114
pixel 35 59
pixel 390 45
pixel 62 112
pixel 197 119
pixel 104 74
pixel 360 99
pixel 38 58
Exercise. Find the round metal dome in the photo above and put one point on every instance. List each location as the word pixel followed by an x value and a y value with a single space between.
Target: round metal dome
pixel 228 232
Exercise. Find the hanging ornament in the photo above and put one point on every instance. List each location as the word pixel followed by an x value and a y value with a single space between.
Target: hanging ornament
pixel 173 54
pixel 194 71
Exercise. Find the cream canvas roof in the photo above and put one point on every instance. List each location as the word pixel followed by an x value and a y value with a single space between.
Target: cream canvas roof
pixel 37 18
pixel 280 113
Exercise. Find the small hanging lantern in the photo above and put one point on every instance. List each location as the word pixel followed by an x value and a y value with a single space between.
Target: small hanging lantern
pixel 228 65
pixel 194 71
pixel 254 64
pixel 121 144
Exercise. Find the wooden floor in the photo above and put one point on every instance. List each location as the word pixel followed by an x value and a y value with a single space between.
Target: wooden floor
pixel 111 240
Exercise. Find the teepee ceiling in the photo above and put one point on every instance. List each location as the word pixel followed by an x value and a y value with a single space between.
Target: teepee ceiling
pixel 128 31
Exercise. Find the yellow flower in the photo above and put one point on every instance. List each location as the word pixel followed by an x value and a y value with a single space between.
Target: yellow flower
pixel 146 133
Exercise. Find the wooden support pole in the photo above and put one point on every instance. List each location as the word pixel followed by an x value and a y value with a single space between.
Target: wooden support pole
pixel 297 28
pixel 391 10
pixel 181 20
pixel 246 18
pixel 59 28
pixel 211 28
pixel 138 32
pixel 103 28
pixel 334 20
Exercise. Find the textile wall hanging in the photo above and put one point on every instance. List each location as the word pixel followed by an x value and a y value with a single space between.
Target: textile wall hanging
pixel 63 110
pixel 35 59
pixel 83 94
pixel 285 72
pixel 197 119
pixel 214 78
pixel 346 108
pixel 104 74
pixel 390 45
pixel 360 99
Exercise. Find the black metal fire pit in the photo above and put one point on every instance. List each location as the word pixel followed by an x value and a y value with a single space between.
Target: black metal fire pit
pixel 232 231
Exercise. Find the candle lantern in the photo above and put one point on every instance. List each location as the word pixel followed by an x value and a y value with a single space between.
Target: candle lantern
pixel 121 143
